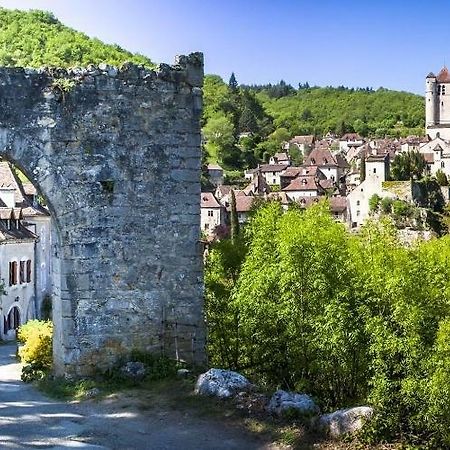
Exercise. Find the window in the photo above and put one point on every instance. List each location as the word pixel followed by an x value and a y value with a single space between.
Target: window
pixel 357 213
pixel 210 213
pixel 358 202
pixel 29 271
pixel 443 90
pixel 442 164
pixel 12 273
pixel 374 170
pixel 22 272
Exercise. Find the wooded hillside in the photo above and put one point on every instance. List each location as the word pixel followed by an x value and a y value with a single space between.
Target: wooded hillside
pixel 37 38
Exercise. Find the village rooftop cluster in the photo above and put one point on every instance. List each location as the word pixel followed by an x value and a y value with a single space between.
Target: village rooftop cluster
pixel 332 169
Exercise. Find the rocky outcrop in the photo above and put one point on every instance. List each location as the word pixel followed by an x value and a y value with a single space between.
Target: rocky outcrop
pixel 345 421
pixel 283 401
pixel 221 383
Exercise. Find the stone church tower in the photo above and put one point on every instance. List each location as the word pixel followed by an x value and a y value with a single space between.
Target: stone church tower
pixel 437 107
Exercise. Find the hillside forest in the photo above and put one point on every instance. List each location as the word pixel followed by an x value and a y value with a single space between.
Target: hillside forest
pixel 244 125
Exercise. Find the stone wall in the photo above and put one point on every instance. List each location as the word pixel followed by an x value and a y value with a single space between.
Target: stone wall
pixel 116 153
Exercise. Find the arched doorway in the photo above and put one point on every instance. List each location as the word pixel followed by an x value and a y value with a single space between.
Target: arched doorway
pixel 11 322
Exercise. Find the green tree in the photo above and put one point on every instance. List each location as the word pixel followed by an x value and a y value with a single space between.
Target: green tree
pixel 386 205
pixel 234 220
pixel 441 178
pixel 374 203
pixel 232 83
pixel 408 165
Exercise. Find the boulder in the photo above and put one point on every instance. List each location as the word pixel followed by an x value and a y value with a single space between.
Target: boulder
pixel 282 402
pixel 134 370
pixel 221 383
pixel 345 421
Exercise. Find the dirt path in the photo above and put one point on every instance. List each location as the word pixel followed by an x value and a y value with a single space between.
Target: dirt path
pixel 28 419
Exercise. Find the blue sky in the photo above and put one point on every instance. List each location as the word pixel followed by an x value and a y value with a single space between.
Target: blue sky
pixel 355 43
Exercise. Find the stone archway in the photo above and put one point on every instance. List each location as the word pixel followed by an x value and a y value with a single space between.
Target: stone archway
pixel 116 154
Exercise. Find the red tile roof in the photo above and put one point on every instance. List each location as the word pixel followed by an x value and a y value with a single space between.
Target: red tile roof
pixel 244 203
pixel 338 204
pixel 305 140
pixel 302 183
pixel 209 201
pixel 272 167
pixel 443 76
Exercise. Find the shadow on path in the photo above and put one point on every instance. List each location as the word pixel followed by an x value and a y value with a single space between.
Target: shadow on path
pixel 28 419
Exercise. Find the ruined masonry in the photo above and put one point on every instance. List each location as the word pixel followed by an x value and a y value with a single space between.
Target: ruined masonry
pixel 116 154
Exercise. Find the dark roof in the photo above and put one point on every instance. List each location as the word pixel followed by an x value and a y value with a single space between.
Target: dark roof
pixel 273 167
pixel 338 204
pixel 431 75
pixel 243 203
pixel 15 232
pixel 302 183
pixel 377 157
pixel 306 139
pixel 323 157
pixel 443 76
pixel 351 137
pixel 209 201
pixel 223 189
pixel 281 156
pixel 280 196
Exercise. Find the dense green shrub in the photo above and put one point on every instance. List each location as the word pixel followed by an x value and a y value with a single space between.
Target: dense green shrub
pixel 348 318
pixel 36 351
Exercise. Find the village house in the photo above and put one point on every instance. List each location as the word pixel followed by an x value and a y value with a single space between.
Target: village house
pixel 437 104
pixel 304 143
pixel 304 186
pixel 258 186
pixel 215 174
pixel 25 250
pixel 339 208
pixel 244 205
pixel 332 166
pixel 211 213
pixel 281 197
pixel 293 172
pixel 437 154
pixel 350 140
pixel 271 173
pixel 281 158
pixel 17 262
pixel 412 143
pixel 377 171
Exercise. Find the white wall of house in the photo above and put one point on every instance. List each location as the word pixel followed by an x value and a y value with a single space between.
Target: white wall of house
pixel 210 218
pixel 358 199
pixel 41 225
pixel 272 178
pixel 332 173
pixel 295 195
pixel 20 295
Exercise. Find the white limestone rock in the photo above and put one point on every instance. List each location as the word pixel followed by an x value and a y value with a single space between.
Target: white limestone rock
pixel 345 421
pixel 283 401
pixel 221 383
